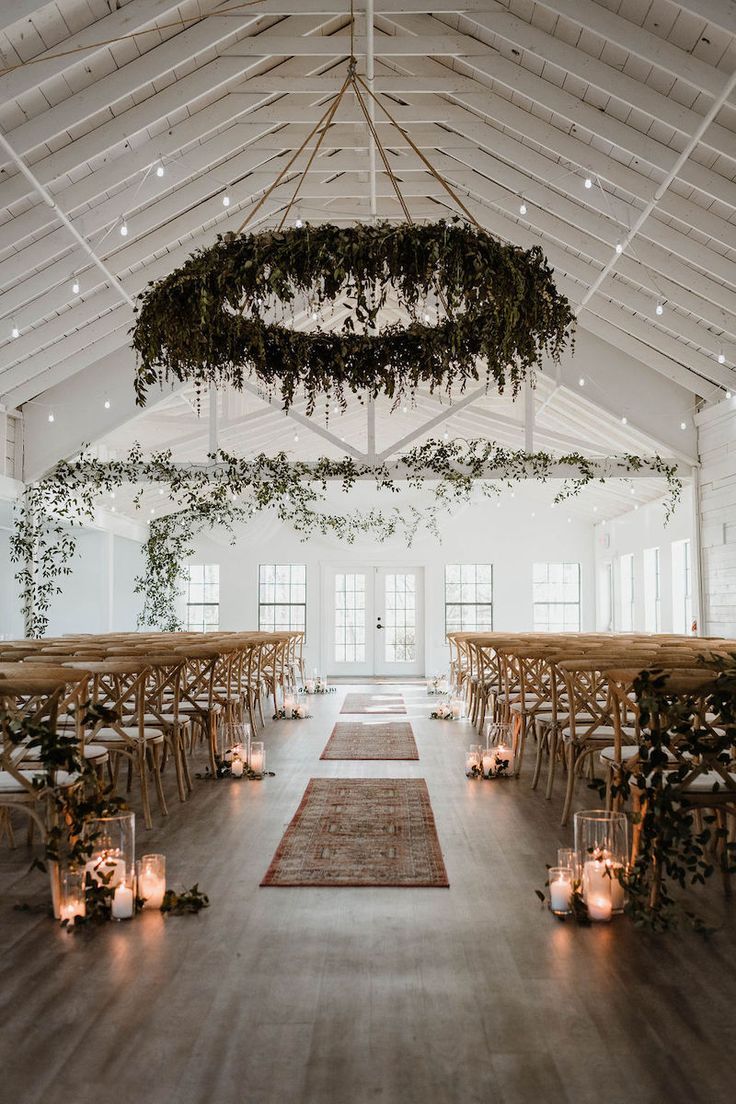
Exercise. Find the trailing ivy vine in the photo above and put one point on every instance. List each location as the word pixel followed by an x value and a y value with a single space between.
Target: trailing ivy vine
pixel 496 311
pixel 228 489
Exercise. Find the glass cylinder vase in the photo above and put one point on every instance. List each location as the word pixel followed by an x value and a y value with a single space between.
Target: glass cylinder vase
pixel 112 840
pixel 602 847
pixel 152 880
pixel 257 761
pixel 560 889
pixel 500 749
pixel 72 903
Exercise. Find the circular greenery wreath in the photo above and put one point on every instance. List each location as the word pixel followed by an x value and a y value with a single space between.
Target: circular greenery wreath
pixel 498 307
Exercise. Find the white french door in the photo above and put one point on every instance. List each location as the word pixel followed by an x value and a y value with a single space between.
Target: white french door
pixel 374 621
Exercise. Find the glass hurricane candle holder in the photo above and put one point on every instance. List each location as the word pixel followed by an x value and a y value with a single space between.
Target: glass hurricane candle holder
pixel 500 745
pixel 560 889
pixel 152 880
pixel 113 848
pixel 602 850
pixel 473 764
pixel 457 709
pixel 568 857
pixel 123 899
pixel 257 758
pixel 72 902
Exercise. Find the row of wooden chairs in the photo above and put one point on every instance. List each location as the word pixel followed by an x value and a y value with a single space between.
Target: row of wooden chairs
pixel 157 696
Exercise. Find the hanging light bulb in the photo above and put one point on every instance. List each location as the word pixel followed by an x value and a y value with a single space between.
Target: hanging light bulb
pixel 51 416
pixel 315 316
pixel 107 404
pixel 298 224
pixel 683 425
pixel 113 509
pixel 75 287
pixel 296 436
pixel 124 228
pixel 522 208
pixel 581 381
pixel 404 409
pixel 446 435
pixel 619 247
pixel 721 356
pixel 226 200
pixel 427 317
pixel 112 494
pixel 728 394
pixel 659 309
pixel 588 181
pixel 624 420
pixel 160 170
pixel 15 332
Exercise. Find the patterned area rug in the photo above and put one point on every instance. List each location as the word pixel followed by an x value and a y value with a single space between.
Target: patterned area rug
pixel 371 740
pixel 361 832
pixel 373 703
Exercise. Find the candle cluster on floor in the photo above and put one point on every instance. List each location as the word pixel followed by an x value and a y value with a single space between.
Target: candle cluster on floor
pixel 497 759
pixel 292 710
pixel 317 684
pixel 439 684
pixel 587 881
pixel 450 709
pixel 242 757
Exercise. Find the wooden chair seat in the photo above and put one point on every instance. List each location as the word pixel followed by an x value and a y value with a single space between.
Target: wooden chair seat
pixel 9 784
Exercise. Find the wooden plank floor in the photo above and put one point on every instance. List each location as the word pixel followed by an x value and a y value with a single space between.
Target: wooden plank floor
pixel 329 996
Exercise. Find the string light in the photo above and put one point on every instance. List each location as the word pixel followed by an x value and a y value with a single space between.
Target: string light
pixel 296 436
pixel 51 416
pixel 581 381
pixel 160 170
pixel 588 181
pixel 315 316
pixel 728 394
pixel 426 317
pixel 721 356
pixel 624 420
pixel 619 247
pixel 75 287
pixel 124 228
pixel 683 425
pixel 659 309
pixel 15 332
pixel 226 200
pixel 107 404
pixel 446 435
pixel 298 224
pixel 522 208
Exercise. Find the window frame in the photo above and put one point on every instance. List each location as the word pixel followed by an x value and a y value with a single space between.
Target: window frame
pixel 629 556
pixel 562 604
pixel 215 627
pixel 474 604
pixel 274 604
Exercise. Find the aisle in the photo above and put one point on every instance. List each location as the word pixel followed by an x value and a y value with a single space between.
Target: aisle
pixel 349 996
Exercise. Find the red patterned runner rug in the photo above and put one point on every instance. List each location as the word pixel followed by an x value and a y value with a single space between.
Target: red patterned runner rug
pixel 361 832
pixel 373 703
pixel 371 740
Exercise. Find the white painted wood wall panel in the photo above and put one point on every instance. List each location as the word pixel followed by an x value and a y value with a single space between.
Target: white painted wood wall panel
pixel 717 446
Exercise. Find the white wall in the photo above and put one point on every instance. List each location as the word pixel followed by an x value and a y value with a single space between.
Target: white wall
pixel 508 537
pixel 717 447
pixel 633 532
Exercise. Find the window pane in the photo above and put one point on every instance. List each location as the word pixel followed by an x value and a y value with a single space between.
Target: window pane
pixel 282 597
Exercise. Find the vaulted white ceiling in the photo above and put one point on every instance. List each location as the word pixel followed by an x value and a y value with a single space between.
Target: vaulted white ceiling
pixel 516 103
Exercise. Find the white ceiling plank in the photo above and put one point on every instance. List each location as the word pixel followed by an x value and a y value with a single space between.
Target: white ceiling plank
pixel 134 16
pixel 722 13
pixel 640 42
pixel 19 10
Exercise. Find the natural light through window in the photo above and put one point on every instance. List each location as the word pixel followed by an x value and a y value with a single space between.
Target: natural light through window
pixel 626 568
pixel 350 617
pixel 282 597
pixel 468 597
pixel 652 590
pixel 400 618
pixel 556 597
pixel 682 599
pixel 203 597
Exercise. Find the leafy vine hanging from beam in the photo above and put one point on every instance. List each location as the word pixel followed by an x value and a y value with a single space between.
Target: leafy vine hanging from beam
pixel 496 310
pixel 229 489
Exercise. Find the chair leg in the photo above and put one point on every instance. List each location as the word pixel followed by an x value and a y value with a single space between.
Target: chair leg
pixel 156 768
pixel 541 741
pixel 143 774
pixel 571 763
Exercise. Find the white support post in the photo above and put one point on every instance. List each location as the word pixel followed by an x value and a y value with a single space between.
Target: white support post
pixel 371 430
pixel 213 442
pixel 528 417
pixel 696 558
pixel 369 75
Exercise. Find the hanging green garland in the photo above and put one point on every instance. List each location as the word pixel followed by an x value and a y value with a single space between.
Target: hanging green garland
pixel 231 489
pixel 497 312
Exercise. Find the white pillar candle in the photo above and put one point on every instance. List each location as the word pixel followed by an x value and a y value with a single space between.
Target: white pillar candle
pixel 310 686
pixel 471 762
pixel 504 756
pixel 599 908
pixel 151 886
pixel 289 703
pixel 106 869
pixel 559 895
pixel 236 768
pixel 598 889
pixel 122 902
pixel 257 759
pixel 488 761
pixel 71 910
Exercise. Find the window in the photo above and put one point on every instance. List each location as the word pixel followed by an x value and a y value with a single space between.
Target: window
pixel 626 567
pixel 401 616
pixel 282 597
pixel 468 597
pixel 203 597
pixel 349 617
pixel 682 596
pixel 556 597
pixel 652 591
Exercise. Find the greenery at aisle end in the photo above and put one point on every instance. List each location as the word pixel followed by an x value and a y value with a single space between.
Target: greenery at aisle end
pixel 476 307
pixel 229 489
